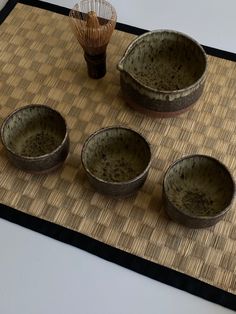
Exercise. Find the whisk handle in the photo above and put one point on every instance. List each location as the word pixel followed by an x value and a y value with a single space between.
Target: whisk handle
pixel 96 65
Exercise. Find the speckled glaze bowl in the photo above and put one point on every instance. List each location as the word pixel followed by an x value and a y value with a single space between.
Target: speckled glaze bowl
pixel 116 160
pixel 197 191
pixel 162 73
pixel 36 138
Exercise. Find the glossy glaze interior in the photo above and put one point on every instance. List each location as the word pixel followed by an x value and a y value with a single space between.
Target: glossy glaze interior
pixel 199 186
pixel 165 60
pixel 34 131
pixel 116 155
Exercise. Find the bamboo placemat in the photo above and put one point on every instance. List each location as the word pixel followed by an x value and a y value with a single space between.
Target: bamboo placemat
pixel 41 62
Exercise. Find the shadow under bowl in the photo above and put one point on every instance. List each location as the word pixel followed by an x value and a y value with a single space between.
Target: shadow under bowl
pixel 162 73
pixel 197 191
pixel 35 138
pixel 116 160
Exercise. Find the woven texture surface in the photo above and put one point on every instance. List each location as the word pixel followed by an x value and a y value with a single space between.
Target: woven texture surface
pixel 41 62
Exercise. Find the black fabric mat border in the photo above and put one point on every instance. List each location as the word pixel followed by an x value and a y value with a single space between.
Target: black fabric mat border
pixel 119 26
pixel 6 10
pixel 132 262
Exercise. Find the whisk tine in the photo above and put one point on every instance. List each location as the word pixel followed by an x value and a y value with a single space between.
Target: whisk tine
pixel 93 22
pixel 105 15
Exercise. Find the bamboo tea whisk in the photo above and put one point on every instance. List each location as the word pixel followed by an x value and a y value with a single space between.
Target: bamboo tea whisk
pixel 93 22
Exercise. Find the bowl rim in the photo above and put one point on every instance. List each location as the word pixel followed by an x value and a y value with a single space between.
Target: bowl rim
pixel 114 182
pixel 215 160
pixel 25 108
pixel 133 45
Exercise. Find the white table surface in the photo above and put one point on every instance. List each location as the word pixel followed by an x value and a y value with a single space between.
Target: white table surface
pixel 211 22
pixel 2 3
pixel 39 275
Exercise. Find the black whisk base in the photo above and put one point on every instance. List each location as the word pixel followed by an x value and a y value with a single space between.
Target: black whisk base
pixel 96 65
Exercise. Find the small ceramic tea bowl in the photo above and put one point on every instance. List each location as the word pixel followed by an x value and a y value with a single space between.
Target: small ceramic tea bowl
pixel 116 160
pixel 197 191
pixel 36 138
pixel 162 73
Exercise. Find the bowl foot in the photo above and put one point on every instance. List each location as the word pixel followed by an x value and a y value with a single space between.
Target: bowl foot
pixel 154 113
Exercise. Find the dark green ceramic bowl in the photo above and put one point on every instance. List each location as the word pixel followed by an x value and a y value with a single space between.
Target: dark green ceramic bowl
pixel 36 138
pixel 116 160
pixel 162 73
pixel 197 191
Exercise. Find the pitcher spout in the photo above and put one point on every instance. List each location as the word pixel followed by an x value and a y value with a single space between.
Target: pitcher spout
pixel 120 65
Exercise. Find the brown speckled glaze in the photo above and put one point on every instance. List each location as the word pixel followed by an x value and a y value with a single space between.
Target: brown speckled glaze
pixel 116 160
pixel 163 72
pixel 197 191
pixel 36 138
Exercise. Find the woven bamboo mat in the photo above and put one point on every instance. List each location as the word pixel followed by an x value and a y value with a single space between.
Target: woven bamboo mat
pixel 41 62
